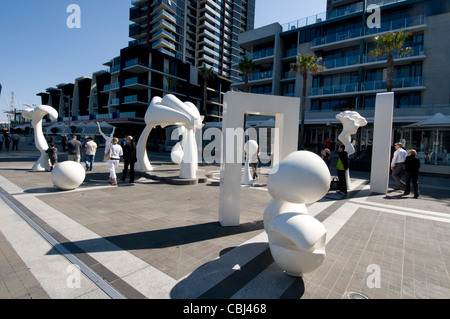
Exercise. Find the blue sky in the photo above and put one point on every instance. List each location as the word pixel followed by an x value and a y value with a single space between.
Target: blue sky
pixel 38 50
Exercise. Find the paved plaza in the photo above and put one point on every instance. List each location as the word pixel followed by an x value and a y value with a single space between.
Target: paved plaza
pixel 153 239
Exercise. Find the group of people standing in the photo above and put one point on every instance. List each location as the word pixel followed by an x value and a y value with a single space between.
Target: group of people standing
pixel 128 152
pixel 7 139
pixel 405 163
pixel 114 150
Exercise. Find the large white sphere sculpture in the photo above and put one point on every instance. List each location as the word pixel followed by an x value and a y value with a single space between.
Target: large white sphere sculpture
pixel 68 175
pixel 296 239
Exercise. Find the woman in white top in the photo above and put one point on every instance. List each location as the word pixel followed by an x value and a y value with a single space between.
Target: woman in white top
pixel 113 162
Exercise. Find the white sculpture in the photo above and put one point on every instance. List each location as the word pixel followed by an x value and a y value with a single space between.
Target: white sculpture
pixel 36 115
pixel 68 175
pixel 250 148
pixel 171 111
pixel 296 239
pixel 108 139
pixel 351 121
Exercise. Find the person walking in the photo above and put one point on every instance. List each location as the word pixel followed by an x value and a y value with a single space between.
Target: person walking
pixel 398 166
pixel 15 141
pixel 52 153
pixel 90 148
pixel 342 167
pixel 1 141
pixel 7 141
pixel 129 158
pixel 115 151
pixel 254 161
pixel 326 156
pixel 74 149
pixel 412 165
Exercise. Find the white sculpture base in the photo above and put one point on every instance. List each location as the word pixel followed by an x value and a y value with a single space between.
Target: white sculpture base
pixel 68 175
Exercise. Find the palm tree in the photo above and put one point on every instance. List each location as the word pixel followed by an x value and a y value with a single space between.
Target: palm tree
pixel 173 83
pixel 305 64
pixel 247 67
pixel 207 75
pixel 388 44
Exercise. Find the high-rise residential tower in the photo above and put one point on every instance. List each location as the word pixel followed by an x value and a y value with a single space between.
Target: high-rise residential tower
pixel 200 32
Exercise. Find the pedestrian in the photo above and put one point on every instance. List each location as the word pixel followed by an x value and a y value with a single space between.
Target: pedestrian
pixel 15 141
pixel 342 167
pixel 115 151
pixel 52 153
pixel 90 148
pixel 74 149
pixel 64 143
pixel 7 141
pixel 129 158
pixel 412 165
pixel 254 161
pixel 328 142
pixel 398 166
pixel 326 156
pixel 1 141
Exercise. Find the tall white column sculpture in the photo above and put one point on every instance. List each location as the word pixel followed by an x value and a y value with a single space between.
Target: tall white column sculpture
pixel 351 122
pixel 382 141
pixel 296 239
pixel 36 115
pixel 165 111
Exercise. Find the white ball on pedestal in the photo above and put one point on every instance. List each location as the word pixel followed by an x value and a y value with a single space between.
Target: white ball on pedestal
pixel 68 175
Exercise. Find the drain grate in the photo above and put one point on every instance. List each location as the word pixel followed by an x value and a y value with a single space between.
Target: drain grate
pixel 356 295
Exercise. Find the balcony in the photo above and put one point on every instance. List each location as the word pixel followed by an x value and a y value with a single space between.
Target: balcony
pixel 134 100
pixel 334 89
pixel 136 66
pixel 135 84
pixel 417 51
pixel 398 84
pixel 354 35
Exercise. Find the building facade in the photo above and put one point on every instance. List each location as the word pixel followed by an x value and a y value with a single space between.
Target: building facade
pixel 353 77
pixel 200 32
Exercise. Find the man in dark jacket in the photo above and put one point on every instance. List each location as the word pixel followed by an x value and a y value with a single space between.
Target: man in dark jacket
pixel 129 159
pixel 342 167
pixel 412 165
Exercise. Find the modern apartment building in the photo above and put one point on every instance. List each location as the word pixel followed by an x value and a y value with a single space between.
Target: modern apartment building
pixel 200 32
pixel 353 77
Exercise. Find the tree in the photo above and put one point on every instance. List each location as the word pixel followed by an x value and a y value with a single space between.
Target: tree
pixel 173 83
pixel 305 64
pixel 207 75
pixel 388 44
pixel 246 66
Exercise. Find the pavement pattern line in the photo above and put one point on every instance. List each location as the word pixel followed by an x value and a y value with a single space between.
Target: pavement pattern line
pixel 231 261
pixel 50 270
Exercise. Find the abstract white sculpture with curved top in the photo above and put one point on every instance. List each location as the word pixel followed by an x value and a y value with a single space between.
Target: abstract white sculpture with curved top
pixel 351 121
pixel 108 139
pixel 36 115
pixel 250 148
pixel 166 111
pixel 296 239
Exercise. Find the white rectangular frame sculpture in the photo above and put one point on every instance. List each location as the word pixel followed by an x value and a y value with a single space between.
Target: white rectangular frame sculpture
pixel 236 105
pixel 382 140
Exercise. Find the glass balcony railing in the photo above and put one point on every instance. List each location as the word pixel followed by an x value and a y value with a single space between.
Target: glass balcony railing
pixel 417 50
pixel 334 89
pixel 360 32
pixel 400 83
